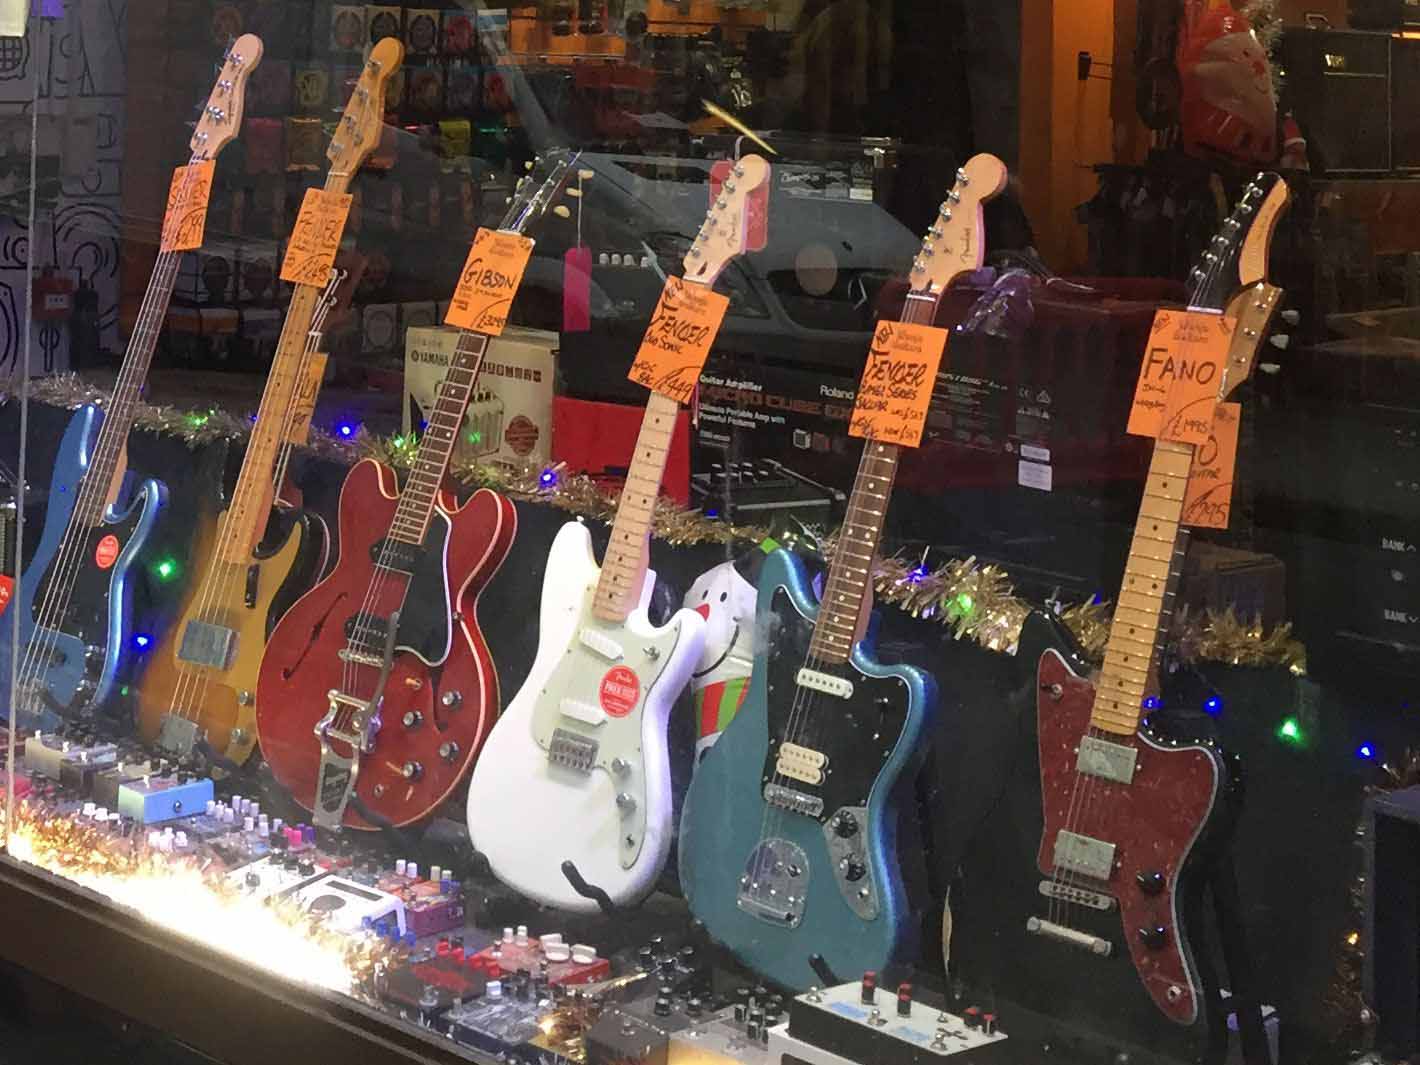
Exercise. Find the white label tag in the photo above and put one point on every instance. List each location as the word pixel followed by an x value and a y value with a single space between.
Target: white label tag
pixel 1033 475
pixel 1035 454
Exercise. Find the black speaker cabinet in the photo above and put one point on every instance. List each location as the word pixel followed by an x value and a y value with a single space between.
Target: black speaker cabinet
pixel 1391 978
pixel 1338 86
pixel 1405 103
pixel 1382 14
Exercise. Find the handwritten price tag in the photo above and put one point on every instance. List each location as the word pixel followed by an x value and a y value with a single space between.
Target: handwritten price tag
pixel 316 238
pixel 1208 499
pixel 489 282
pixel 897 383
pixel 303 402
pixel 679 338
pixel 185 221
pixel 1181 376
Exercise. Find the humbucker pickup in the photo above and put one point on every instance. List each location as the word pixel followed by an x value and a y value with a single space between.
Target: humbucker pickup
pixel 1108 760
pixel 367 634
pixel 599 643
pixel 839 687
pixel 1084 855
pixel 205 644
pixel 396 555
pixel 571 750
pixel 801 763
pixel 794 801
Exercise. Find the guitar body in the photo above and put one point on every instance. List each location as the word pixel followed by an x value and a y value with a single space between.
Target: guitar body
pixel 222 701
pixel 442 694
pixel 591 786
pixel 77 656
pixel 730 834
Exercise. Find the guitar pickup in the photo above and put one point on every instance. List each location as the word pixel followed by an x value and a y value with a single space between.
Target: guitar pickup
pixel 571 750
pixel 599 643
pixel 585 712
pixel 205 644
pixel 801 763
pixel 396 555
pixel 838 687
pixel 1084 855
pixel 1107 760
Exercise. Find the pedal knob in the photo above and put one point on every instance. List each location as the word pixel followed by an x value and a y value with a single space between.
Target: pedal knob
pixel 869 987
pixel 1150 883
pixel 972 1016
pixel 1155 937
pixel 904 1000
pixel 990 1024
pixel 662 1007
pixel 855 872
pixel 412 771
pixel 845 825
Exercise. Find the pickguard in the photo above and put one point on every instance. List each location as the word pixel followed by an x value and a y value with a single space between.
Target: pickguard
pixel 426 621
pixel 588 715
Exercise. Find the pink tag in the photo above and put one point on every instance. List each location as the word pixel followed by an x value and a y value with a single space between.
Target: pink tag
pixel 577 290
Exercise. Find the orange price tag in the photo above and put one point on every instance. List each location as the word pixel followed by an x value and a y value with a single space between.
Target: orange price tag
pixel 316 238
pixel 303 401
pixel 489 282
pixel 897 383
pixel 679 338
pixel 1182 373
pixel 185 220
pixel 1208 499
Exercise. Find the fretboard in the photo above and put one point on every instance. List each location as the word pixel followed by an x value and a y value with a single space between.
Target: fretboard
pixel 1146 596
pixel 624 567
pixel 850 571
pixel 436 446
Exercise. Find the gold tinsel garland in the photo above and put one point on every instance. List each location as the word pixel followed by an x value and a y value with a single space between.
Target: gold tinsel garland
pixel 973 599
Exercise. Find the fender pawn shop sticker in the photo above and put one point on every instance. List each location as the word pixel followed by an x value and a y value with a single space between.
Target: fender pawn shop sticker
pixel 678 340
pixel 106 552
pixel 1208 499
pixel 897 383
pixel 315 240
pixel 620 691
pixel 185 221
pixel 1182 375
pixel 489 281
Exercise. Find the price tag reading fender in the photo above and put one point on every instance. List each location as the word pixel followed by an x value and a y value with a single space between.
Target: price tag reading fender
pixel 1208 499
pixel 185 221
pixel 897 383
pixel 316 238
pixel 489 282
pixel 1182 373
pixel 679 338
pixel 303 402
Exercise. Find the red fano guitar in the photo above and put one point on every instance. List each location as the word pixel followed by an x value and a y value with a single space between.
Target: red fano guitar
pixel 377 688
pixel 1125 810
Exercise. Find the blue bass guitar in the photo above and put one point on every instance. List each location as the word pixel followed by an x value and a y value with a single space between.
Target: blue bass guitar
pixel 75 597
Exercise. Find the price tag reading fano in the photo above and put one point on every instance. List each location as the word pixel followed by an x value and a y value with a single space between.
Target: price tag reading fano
pixel 316 238
pixel 185 220
pixel 897 383
pixel 679 338
pixel 489 282
pixel 1208 499
pixel 1181 376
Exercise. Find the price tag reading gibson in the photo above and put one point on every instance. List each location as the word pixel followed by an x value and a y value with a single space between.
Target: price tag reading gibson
pixel 316 238
pixel 1208 499
pixel 679 338
pixel 185 221
pixel 489 282
pixel 1182 373
pixel 897 383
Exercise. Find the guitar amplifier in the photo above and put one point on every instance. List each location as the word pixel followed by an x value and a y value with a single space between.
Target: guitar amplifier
pixel 1339 87
pixel 1404 91
pixel 1391 976
pixel 1382 14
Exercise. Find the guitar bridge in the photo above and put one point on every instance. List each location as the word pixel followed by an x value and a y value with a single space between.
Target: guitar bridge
pixel 1095 900
pixel 774 885
pixel 573 751
pixel 793 801
pixel 177 735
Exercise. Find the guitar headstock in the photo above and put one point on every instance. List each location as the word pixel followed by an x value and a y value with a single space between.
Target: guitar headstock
pixel 1237 255
pixel 955 242
pixel 363 123
pixel 725 233
pixel 221 118
pixel 533 198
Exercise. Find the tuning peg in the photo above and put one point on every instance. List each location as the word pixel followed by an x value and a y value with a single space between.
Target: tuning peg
pixel 1280 341
pixel 945 213
pixel 954 196
pixel 1291 317
pixel 962 178
pixel 562 211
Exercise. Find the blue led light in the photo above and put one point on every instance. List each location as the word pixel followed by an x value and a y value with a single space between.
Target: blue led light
pixel 1213 705
pixel 1366 750
pixel 345 429
pixel 1152 702
pixel 548 478
pixel 141 641
pixel 917 575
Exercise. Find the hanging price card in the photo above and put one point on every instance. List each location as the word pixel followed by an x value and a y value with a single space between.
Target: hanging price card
pixel 185 221
pixel 1182 373
pixel 1208 499
pixel 679 338
pixel 316 238
pixel 897 383
pixel 303 401
pixel 489 282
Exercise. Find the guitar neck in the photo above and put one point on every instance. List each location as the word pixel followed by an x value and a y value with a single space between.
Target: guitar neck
pixel 1146 597
pixel 850 571
pixel 436 446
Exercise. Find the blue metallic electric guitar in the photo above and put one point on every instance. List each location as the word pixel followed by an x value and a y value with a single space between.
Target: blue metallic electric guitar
pixel 788 837
pixel 75 597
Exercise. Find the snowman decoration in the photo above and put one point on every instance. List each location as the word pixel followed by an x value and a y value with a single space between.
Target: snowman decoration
pixel 726 600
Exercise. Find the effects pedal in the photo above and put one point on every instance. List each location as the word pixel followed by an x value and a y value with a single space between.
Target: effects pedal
pixel 435 980
pixel 46 756
pixel 859 1022
pixel 274 876
pixel 343 905
pixel 124 771
pixel 722 1039
pixel 152 800
pixel 565 965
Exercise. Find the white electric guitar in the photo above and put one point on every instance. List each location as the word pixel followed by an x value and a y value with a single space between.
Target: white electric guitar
pixel 581 750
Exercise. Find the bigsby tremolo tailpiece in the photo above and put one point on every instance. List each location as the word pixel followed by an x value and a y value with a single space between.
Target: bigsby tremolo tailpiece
pixel 354 723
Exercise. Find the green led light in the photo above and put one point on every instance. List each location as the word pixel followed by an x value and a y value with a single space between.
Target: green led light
pixel 123 690
pixel 398 441
pixel 1290 731
pixel 965 603
pixel 166 569
pixel 197 420
pixel 475 437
